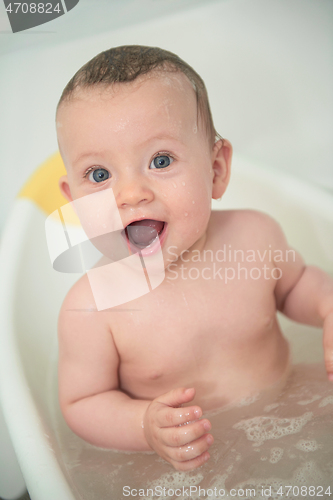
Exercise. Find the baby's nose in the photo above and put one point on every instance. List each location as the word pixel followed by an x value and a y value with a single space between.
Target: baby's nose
pixel 133 192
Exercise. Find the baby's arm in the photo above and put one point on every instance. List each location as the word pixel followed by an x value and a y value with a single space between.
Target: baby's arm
pixel 98 411
pixel 305 294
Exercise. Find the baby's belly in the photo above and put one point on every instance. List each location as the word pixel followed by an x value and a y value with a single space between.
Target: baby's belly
pixel 219 377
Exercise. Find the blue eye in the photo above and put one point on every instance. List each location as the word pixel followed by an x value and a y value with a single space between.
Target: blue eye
pixel 99 175
pixel 161 161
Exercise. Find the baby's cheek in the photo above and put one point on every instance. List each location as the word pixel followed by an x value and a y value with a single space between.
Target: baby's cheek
pixel 200 200
pixel 197 212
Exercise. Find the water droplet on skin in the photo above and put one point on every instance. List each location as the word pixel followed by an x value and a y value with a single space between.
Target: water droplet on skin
pixel 174 184
pixel 186 214
pixel 193 202
pixel 183 183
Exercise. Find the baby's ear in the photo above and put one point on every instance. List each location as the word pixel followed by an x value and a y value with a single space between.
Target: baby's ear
pixel 221 165
pixel 64 188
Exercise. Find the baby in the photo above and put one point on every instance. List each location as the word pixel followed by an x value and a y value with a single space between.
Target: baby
pixel 136 120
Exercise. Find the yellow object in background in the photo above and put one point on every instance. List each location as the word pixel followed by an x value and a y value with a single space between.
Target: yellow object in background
pixel 43 187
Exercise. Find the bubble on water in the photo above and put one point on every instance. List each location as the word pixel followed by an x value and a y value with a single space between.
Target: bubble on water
pixel 260 429
pixel 308 401
pixel 271 407
pixel 229 469
pixel 276 455
pixel 247 401
pixel 326 401
pixel 274 488
pixel 176 479
pixel 307 445
pixel 309 474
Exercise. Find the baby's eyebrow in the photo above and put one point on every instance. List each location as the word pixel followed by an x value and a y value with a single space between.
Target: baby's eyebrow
pixel 163 137
pixel 101 154
pixel 83 156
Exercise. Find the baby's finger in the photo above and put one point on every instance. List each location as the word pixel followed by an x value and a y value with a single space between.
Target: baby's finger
pixel 170 417
pixel 181 435
pixel 192 450
pixel 191 464
pixel 177 397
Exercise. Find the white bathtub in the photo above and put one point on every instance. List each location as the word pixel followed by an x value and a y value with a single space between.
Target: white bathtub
pixel 270 90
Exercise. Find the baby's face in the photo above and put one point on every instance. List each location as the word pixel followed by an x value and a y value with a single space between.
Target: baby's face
pixel 143 140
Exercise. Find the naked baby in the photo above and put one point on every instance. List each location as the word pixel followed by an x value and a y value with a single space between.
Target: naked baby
pixel 136 121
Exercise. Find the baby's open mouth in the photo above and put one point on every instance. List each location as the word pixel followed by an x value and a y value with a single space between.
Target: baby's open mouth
pixel 143 233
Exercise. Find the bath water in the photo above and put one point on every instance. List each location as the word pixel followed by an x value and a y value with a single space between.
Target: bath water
pixel 278 438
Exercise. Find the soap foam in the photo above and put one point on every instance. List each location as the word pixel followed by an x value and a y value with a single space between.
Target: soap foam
pixel 326 401
pixel 272 442
pixel 307 445
pixel 276 455
pixel 260 429
pixel 309 401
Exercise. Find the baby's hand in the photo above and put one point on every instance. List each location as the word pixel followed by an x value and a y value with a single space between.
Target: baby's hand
pixel 184 446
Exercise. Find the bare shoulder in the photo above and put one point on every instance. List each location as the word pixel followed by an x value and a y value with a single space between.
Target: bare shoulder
pixel 79 296
pixel 244 223
pixel 243 217
pixel 78 310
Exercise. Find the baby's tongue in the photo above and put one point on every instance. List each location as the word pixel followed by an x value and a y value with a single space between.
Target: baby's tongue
pixel 143 232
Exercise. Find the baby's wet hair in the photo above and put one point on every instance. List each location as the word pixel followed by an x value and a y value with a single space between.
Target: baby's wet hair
pixel 126 63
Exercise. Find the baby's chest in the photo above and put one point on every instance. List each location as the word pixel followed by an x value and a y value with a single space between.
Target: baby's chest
pixel 176 323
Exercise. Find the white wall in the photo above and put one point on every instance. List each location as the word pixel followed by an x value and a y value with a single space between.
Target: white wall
pixel 267 65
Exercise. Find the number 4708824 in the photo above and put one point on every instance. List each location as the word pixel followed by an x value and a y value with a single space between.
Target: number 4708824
pixel 33 8
pixel 304 491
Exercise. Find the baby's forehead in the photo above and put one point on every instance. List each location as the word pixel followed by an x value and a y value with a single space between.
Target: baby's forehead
pixel 173 85
pixel 166 96
pixel 159 104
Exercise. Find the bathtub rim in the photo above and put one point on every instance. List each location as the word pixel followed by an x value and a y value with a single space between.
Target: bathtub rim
pixel 40 468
